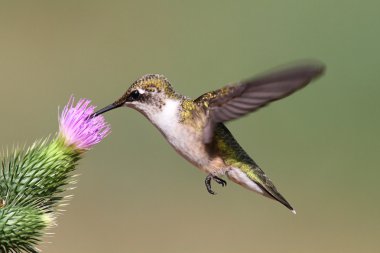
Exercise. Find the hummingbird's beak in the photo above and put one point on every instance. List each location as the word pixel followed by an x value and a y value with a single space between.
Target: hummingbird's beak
pixel 106 109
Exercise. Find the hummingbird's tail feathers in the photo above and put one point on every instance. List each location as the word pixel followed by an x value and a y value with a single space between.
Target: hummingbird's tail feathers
pixel 254 179
pixel 277 196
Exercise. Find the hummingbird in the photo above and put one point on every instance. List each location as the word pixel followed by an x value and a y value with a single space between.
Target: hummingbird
pixel 195 127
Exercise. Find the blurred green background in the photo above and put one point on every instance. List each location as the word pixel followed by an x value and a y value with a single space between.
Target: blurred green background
pixel 319 146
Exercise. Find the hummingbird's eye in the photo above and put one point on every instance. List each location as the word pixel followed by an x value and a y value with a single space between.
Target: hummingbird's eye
pixel 134 95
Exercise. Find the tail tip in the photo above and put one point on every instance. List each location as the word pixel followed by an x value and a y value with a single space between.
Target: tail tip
pixel 294 211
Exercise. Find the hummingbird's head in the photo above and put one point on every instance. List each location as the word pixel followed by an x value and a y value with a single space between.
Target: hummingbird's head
pixel 147 95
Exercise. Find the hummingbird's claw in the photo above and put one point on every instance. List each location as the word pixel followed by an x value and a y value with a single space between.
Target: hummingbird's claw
pixel 216 179
pixel 220 181
pixel 208 184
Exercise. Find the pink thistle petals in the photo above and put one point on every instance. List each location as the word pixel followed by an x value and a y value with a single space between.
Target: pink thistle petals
pixel 78 128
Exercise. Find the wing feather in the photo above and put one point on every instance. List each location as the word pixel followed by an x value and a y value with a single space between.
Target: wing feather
pixel 232 102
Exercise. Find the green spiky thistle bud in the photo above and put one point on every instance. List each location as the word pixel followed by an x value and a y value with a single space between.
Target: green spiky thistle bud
pixel 32 181
pixel 22 227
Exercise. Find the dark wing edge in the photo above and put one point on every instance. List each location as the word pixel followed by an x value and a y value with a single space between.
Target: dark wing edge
pixel 232 102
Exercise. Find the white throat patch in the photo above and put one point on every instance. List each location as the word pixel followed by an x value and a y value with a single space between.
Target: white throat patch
pixel 167 118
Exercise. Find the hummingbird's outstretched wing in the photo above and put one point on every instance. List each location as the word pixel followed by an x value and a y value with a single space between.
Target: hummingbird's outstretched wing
pixel 234 101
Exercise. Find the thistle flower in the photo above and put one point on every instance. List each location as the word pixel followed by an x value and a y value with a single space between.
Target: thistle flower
pixel 78 128
pixel 32 181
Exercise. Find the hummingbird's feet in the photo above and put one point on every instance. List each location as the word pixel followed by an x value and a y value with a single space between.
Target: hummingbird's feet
pixel 216 179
